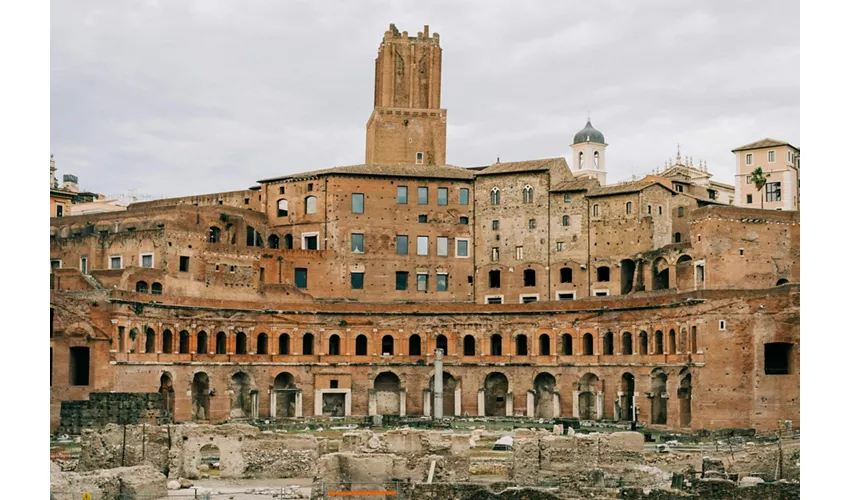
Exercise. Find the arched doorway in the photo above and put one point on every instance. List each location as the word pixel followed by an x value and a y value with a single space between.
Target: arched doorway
pixel 201 396
pixel 285 394
pixel 684 393
pixel 387 386
pixel 167 342
pixel 659 402
pixel 449 387
pixel 587 397
pixel 544 395
pixel 627 400
pixel 361 346
pixel 660 274
pixel 495 395
pixel 387 345
pixel 627 276
pixel 240 387
pixel 209 460
pixel 166 388
pixel 443 343
pixel 684 276
pixel 627 343
pixel 469 345
pixel 334 345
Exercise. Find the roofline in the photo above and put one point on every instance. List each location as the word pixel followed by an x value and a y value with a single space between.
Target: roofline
pixel 745 148
pixel 540 169
pixel 308 175
pixel 635 190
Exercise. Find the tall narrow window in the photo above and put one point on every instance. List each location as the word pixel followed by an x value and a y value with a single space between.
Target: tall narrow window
pixel 495 279
pixel 596 160
pixel 566 275
pixel 401 280
pixel 357 203
pixel 521 345
pixel 527 194
pixel 774 192
pixel 442 282
pixel 357 244
pixel 494 225
pixel 442 246
pixel 310 205
pixel 184 264
pixel 469 345
pixel 282 208
pixel 495 345
pixel 357 281
pixel 300 277
pixel 461 247
pixel 529 278
pixel 422 195
pixel 401 195
pixel 421 245
pixel 681 211
pixel 518 253
pixel 494 254
pixel 495 196
pixel 464 196
pixel 401 244
pixel 771 156
pixel 421 282
pixel 59 210
pixel 581 160
pixel 79 364
pixel 442 196
pixel 565 220
pixel 749 158
pixel 596 210
pixel 628 208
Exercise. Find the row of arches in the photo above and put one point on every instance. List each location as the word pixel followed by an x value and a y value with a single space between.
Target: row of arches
pixel 155 288
pixel 642 344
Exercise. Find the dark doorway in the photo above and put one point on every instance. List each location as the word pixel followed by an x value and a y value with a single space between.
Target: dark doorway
pixel 79 365
pixel 495 395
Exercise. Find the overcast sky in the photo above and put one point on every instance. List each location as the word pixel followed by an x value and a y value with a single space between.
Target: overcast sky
pixel 179 97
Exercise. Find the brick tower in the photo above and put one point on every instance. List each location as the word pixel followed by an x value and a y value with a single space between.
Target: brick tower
pixel 407 125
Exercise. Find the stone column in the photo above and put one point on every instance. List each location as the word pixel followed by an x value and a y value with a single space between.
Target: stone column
pixel 457 401
pixel 426 402
pixel 438 383
pixel 348 403
pixel 556 402
pixel 402 402
pixel 481 402
pixel 317 403
pixel 298 402
pixel 373 402
pixel 600 405
pixel 529 404
pixel 618 409
pixel 575 405
pixel 273 403
pixel 193 342
pixel 634 406
pixel 509 404
pixel 255 405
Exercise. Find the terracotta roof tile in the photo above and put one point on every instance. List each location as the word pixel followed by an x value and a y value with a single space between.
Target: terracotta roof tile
pixel 522 166
pixel 420 171
pixel 631 187
pixel 577 184
pixel 767 142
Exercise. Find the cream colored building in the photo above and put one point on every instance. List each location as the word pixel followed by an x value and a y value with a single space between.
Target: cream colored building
pixel 780 162
pixel 695 180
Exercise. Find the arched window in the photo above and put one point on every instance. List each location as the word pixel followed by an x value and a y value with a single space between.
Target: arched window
pixel 282 208
pixel 581 160
pixel 469 345
pixel 544 345
pixel 495 345
pixel 659 209
pixel 596 210
pixel 565 220
pixel 529 278
pixel 659 342
pixel 671 342
pixel 388 345
pixel 643 348
pixel 587 344
pixel 608 344
pixel 596 160
pixel 262 344
pixel 141 287
pixel 283 344
pixel 287 241
pixel 201 347
pixel 681 211
pixel 627 343
pixel 677 237
pixel 694 339
pixel 414 346
pixel 649 209
pixel 361 345
pixel 220 343
pixel 566 275
pixel 495 196
pixel 567 344
pixel 628 208
pixel 150 340
pixel 527 194
pixel 241 343
pixel 443 343
pixel 307 344
pixel 167 342
pixel 521 345
pixel 274 241
pixel 184 342
pixel 215 235
pixel 156 288
pixel 333 345
pixel 310 205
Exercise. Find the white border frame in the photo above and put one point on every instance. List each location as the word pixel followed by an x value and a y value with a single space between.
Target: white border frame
pixel 120 261
pixel 721 325
pixel 145 254
pixel 566 292
pixel 364 243
pixel 488 297
pixel 774 156
pixel 468 247
pixel 56 260
pixel 86 272
pixel 418 274
pixel 528 295
pixel 748 159
pixel 304 237
pixel 594 291
pixel 427 246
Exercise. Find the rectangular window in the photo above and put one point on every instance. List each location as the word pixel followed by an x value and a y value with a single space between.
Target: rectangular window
pixel 115 262
pixel 79 364
pixel 494 299
pixel 309 186
pixel 518 253
pixel 357 245
pixel 184 264
pixel 461 247
pixel 401 280
pixel 749 179
pixel 357 203
pixel 559 246
pixel 566 197
pixel 749 198
pixel 495 279
pixel 749 158
pixel 777 358
pixel 300 277
pixel 422 195
pixel 442 246
pixel 600 293
pixel 420 158
pixel 463 220
pixel 528 299
pixel 442 282
pixel 495 225
pixel 282 190
pixel 774 191
pixel 55 264
pixel 532 223
pixel 59 209
pixel 679 188
pixel 712 194
pixel 401 244
pixel 566 295
pixel 422 282
pixel 771 156
pixel 147 260
pixel 421 245
pixel 357 281
pixel 423 218
pixel 494 254
pixel 565 220
pixel 442 196
pixel 700 269
pixel 310 241
pixel 464 196
pixel 401 195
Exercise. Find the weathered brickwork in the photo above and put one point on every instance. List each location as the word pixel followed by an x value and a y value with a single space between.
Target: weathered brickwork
pixel 328 292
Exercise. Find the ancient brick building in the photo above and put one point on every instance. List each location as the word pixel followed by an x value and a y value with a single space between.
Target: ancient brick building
pixel 328 292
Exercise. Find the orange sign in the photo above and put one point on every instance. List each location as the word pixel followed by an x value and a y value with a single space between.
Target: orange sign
pixel 363 493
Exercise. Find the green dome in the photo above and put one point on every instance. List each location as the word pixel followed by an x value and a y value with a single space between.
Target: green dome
pixel 589 134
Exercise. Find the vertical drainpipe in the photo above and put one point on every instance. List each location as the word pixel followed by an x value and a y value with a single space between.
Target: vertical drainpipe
pixel 549 238
pixel 474 243
pixel 588 242
pixel 326 213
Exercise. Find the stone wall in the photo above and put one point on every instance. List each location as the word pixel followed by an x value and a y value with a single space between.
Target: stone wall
pixel 142 482
pixel 104 408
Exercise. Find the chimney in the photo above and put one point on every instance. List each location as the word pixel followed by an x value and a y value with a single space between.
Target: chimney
pixel 69 183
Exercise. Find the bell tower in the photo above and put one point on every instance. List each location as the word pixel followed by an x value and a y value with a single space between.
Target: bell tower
pixel 589 154
pixel 407 125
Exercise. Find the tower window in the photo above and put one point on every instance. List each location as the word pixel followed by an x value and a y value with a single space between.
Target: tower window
pixel 495 225
pixel 596 210
pixel 495 196
pixel 420 158
pixel 596 160
pixel 464 196
pixel 565 220
pixel 581 160
pixel 628 208
pixel 527 194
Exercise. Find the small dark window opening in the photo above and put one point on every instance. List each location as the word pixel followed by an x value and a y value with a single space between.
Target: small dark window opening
pixel 677 237
pixel 469 345
pixel 79 365
pixel 521 345
pixel 184 264
pixel 333 345
pixel 334 384
pixel 566 275
pixel 156 288
pixel 529 278
pixel 307 345
pixel 241 343
pixel 141 287
pixel 414 347
pixel 567 344
pixel 496 345
pixel 283 344
pixel 777 358
pixel 587 344
pixel 423 218
pixel 495 278
pixel 361 346
pixel 387 345
pixel 221 343
pixel 544 345
pixel 603 273
pixel 443 343
pixel 401 280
